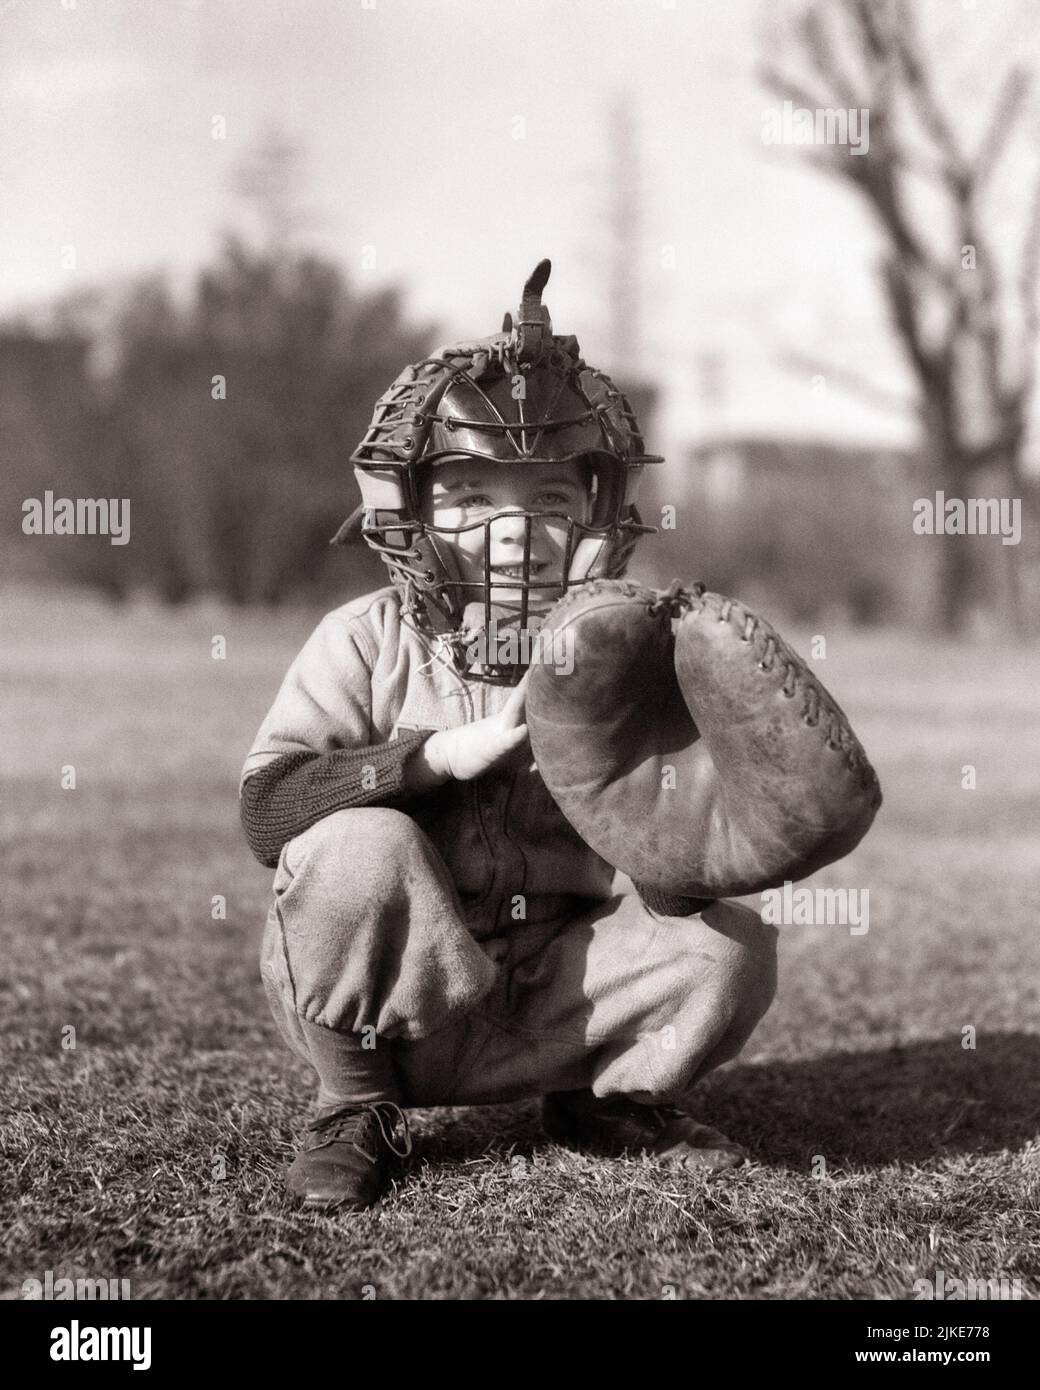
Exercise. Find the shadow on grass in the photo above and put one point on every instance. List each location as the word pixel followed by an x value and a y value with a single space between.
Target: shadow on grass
pixel 912 1103
pixel 917 1103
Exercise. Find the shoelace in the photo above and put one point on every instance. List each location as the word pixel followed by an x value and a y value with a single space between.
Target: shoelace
pixel 388 1115
pixel 442 651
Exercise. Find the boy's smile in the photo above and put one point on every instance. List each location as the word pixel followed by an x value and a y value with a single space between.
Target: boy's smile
pixel 464 491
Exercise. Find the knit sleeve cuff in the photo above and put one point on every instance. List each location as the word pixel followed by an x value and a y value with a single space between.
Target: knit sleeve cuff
pixel 290 794
pixel 668 904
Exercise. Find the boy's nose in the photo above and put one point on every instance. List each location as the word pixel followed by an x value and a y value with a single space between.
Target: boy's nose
pixel 509 525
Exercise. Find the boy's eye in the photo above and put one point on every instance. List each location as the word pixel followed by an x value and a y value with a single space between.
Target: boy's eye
pixel 551 499
pixel 475 499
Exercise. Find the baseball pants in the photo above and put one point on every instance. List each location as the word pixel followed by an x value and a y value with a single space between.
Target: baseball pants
pixel 366 939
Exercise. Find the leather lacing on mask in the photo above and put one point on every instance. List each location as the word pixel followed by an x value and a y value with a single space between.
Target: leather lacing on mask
pixel 450 646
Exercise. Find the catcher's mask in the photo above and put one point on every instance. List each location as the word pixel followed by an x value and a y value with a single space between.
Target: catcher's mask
pixel 518 398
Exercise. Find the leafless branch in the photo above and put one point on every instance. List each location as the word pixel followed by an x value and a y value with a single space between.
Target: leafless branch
pixel 850 379
pixel 931 366
pixel 1005 112
pixel 820 43
pixel 790 88
pixel 919 89
pixel 1028 276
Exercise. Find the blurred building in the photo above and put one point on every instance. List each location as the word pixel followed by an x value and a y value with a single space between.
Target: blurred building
pixel 802 527
pixel 813 530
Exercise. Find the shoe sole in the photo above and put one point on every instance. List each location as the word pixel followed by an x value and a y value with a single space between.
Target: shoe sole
pixel 333 1203
pixel 728 1160
pixel 678 1157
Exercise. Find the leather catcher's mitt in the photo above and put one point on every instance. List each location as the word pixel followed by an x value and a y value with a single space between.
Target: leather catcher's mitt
pixel 704 763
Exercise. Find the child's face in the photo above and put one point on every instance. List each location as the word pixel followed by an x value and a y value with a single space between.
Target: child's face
pixel 461 491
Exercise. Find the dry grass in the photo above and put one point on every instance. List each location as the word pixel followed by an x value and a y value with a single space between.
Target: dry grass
pixel 932 1155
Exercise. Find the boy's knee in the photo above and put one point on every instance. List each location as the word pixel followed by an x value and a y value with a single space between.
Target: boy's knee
pixel 733 996
pixel 367 930
pixel 730 956
pixel 748 967
pixel 366 852
pixel 357 842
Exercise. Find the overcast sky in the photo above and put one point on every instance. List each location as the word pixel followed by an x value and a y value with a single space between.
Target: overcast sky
pixel 407 111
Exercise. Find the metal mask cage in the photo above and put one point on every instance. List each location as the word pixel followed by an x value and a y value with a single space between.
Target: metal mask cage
pixel 451 594
pixel 465 400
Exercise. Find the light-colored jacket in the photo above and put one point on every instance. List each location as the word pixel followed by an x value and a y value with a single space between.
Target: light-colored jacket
pixel 364 677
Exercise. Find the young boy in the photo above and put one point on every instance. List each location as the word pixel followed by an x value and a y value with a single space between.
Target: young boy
pixel 440 934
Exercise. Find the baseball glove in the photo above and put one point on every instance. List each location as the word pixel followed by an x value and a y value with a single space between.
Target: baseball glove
pixel 704 761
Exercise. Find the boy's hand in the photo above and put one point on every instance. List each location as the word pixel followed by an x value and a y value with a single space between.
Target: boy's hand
pixel 465 753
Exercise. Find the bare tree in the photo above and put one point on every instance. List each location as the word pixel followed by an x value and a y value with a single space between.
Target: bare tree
pixel 967 322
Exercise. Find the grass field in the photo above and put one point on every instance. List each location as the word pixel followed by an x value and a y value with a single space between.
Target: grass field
pixel 154 1150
